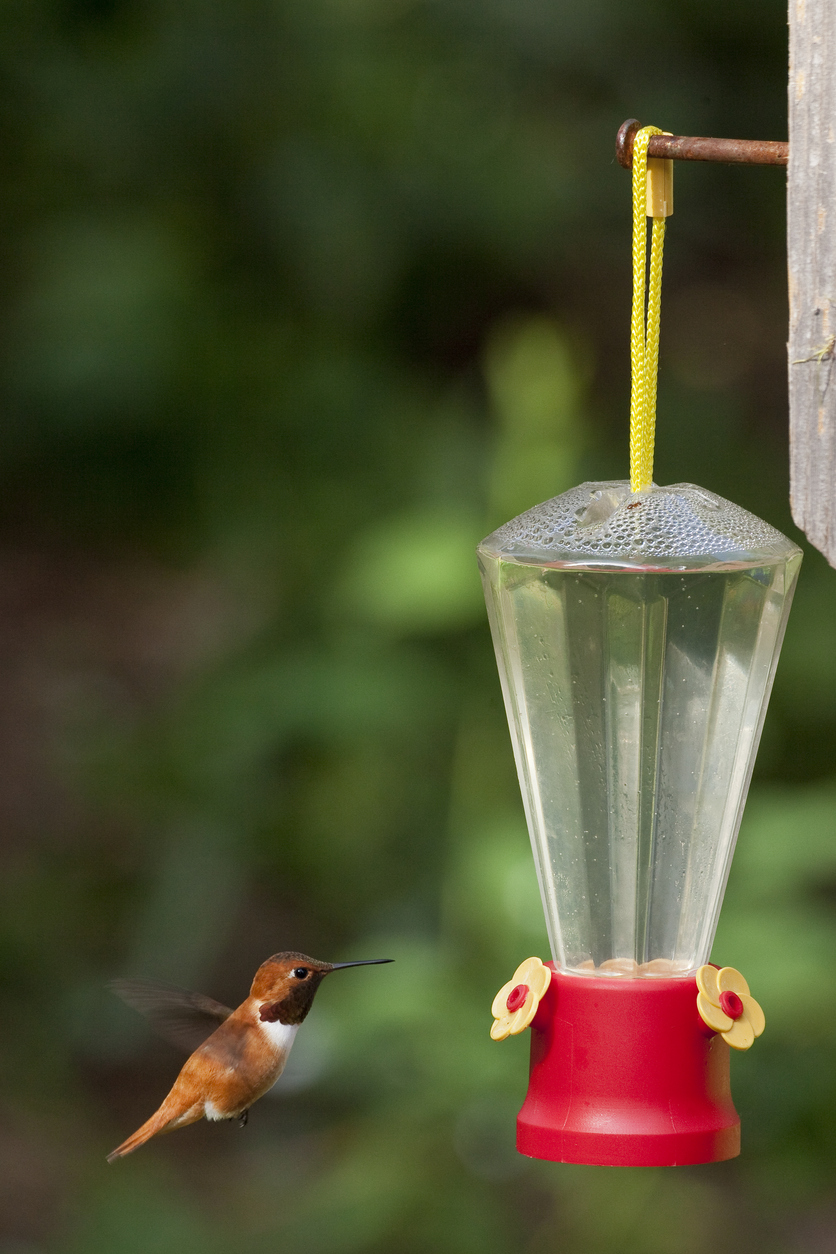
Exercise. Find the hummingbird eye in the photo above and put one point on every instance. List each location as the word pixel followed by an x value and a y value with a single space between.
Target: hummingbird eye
pixel 301 973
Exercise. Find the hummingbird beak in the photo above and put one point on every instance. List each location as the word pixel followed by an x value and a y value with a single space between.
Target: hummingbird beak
pixel 364 962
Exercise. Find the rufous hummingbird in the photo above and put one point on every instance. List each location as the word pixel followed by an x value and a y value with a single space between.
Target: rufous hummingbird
pixel 245 1050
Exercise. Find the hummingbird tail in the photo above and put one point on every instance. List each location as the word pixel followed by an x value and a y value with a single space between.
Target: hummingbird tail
pixel 150 1128
pixel 161 1121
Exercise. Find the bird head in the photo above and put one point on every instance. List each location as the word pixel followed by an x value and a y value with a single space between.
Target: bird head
pixel 285 985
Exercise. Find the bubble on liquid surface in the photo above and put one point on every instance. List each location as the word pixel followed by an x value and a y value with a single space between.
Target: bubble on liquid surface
pixel 607 523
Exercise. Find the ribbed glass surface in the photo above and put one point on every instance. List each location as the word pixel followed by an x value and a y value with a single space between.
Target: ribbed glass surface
pixel 635 695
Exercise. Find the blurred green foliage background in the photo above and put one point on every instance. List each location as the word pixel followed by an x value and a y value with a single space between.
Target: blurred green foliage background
pixel 300 299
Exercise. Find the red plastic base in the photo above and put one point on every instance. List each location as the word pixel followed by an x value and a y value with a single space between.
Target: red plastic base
pixel 625 1074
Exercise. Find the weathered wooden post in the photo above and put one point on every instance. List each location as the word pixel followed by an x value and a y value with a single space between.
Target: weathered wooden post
pixel 811 252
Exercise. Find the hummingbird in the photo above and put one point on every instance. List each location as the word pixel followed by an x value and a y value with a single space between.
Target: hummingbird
pixel 242 1052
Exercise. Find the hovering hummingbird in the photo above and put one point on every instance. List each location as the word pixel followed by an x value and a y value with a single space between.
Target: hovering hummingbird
pixel 243 1051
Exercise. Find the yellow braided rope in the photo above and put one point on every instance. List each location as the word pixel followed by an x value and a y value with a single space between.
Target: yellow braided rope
pixel 644 343
pixel 651 349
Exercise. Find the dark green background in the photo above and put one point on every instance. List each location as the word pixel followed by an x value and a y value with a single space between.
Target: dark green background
pixel 299 300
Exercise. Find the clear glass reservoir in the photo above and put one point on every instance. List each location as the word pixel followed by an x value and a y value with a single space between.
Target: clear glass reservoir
pixel 637 637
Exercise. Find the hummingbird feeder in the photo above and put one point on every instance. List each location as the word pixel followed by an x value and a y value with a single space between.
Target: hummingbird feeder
pixel 637 629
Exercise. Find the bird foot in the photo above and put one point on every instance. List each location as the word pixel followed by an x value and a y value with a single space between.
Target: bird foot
pixel 242 1119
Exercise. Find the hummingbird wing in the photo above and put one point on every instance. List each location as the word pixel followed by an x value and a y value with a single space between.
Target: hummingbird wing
pixel 183 1018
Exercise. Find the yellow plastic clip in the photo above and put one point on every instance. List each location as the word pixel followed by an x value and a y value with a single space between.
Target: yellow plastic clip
pixel 659 186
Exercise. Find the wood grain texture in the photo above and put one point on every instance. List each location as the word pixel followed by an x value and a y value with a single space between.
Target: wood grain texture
pixel 811 237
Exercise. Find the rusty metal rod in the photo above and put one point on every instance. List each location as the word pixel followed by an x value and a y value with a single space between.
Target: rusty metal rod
pixel 699 148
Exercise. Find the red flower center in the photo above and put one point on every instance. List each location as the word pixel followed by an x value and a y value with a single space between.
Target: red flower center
pixel 731 1004
pixel 517 996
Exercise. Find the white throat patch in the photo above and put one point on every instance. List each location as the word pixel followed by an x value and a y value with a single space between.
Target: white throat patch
pixel 280 1035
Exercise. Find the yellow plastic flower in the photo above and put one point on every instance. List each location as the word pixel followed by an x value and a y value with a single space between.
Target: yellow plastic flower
pixel 726 1006
pixel 515 1005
